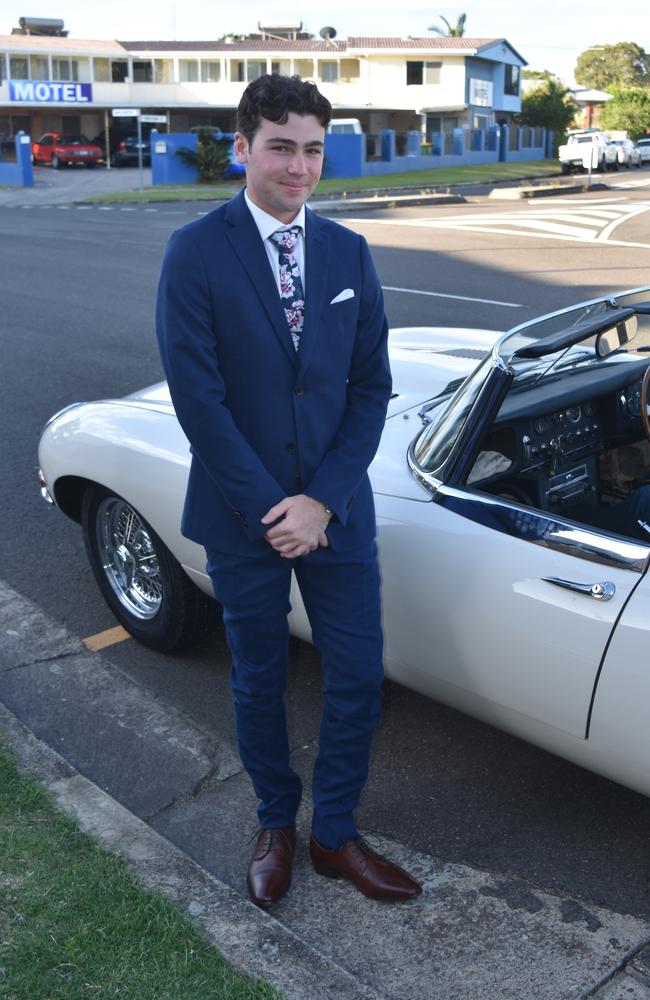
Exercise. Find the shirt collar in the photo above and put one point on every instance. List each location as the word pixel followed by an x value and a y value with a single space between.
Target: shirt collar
pixel 267 224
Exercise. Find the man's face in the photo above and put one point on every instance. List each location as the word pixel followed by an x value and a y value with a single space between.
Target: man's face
pixel 283 164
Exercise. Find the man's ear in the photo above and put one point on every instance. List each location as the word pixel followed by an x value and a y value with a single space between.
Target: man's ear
pixel 240 147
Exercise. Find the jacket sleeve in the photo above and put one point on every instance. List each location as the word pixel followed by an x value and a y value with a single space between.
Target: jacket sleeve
pixel 187 342
pixel 368 392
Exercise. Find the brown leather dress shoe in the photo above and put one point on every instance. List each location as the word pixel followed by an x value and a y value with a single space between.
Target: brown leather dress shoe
pixel 269 871
pixel 374 875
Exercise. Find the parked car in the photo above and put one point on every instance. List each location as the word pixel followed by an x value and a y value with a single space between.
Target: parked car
pixel 65 150
pixel 126 154
pixel 584 144
pixel 643 146
pixel 627 152
pixel 514 565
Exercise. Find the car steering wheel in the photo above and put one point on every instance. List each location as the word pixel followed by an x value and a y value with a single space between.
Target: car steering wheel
pixel 645 420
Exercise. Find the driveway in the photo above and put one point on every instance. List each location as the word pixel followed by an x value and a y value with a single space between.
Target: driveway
pixel 52 187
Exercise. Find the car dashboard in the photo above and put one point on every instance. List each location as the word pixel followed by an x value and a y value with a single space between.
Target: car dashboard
pixel 553 431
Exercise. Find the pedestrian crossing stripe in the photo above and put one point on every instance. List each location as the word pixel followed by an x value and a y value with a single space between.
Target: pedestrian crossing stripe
pixel 591 223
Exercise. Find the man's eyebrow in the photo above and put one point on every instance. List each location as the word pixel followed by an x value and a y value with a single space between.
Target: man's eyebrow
pixel 292 142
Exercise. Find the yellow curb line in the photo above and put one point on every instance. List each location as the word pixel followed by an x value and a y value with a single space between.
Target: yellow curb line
pixel 107 638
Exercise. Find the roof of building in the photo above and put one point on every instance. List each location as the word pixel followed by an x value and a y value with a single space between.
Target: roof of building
pixel 310 44
pixel 585 95
pixel 50 43
pixel 359 43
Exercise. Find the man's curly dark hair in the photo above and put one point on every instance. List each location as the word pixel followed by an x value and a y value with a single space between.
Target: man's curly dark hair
pixel 275 97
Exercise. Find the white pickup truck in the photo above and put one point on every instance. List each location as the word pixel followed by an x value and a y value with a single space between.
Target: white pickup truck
pixel 580 147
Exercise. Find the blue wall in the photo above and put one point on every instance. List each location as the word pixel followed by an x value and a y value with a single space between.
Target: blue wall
pixel 168 168
pixel 345 154
pixel 19 174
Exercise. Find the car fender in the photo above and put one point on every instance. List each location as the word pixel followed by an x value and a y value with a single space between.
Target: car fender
pixel 128 448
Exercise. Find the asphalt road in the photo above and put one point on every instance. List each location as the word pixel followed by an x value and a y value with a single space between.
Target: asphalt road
pixel 77 323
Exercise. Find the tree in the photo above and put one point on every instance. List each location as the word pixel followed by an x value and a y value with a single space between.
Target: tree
pixel 548 106
pixel 453 31
pixel 624 64
pixel 211 156
pixel 628 110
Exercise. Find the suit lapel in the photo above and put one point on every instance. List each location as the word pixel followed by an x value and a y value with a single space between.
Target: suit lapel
pixel 316 264
pixel 246 243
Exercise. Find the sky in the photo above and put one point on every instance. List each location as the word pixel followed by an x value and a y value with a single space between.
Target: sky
pixel 549 35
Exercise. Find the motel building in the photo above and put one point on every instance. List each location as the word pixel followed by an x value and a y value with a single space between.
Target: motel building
pixel 51 82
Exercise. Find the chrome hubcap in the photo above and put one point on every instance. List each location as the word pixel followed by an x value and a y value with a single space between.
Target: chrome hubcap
pixel 129 558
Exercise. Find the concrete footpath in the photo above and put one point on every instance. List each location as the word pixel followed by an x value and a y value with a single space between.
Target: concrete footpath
pixel 150 784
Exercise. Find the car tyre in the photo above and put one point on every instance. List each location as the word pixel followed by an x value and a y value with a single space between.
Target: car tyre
pixel 566 168
pixel 56 162
pixel 141 581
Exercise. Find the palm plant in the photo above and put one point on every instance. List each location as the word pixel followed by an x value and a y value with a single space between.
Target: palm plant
pixel 453 30
pixel 211 156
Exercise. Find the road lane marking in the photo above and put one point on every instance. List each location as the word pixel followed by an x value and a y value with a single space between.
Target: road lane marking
pixel 444 295
pixel 108 637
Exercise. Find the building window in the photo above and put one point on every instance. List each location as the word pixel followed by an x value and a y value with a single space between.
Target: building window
pixel 329 72
pixel 65 69
pixel 350 70
pixel 414 73
pixel 210 71
pixel 163 71
pixel 3 68
pixel 305 68
pixel 19 68
pixel 255 69
pixel 283 67
pixel 188 70
pixel 40 69
pixel 119 71
pixel 237 70
pixel 142 71
pixel 511 82
pixel 102 70
pixel 432 72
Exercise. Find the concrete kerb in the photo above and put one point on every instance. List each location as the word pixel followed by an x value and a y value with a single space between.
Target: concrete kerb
pixel 248 938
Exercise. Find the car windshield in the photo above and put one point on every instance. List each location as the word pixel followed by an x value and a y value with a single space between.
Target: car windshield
pixel 73 140
pixel 541 350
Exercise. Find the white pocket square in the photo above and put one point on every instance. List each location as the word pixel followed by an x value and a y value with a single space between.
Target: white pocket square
pixel 347 293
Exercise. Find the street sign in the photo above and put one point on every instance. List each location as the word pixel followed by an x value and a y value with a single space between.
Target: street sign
pixel 154 119
pixel 126 113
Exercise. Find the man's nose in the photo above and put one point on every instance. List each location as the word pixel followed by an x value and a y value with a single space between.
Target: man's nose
pixel 298 163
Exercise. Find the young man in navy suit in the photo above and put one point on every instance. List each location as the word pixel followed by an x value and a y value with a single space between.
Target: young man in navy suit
pixel 273 336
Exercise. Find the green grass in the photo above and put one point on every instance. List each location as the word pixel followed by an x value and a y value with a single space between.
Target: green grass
pixel 75 925
pixel 435 178
pixel 443 176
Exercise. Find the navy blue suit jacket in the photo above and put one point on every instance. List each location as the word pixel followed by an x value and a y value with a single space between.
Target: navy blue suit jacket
pixel 264 421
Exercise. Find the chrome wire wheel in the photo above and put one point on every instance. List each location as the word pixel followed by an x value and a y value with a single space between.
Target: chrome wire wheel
pixel 128 558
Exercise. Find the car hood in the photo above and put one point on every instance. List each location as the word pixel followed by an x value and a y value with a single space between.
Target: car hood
pixel 424 361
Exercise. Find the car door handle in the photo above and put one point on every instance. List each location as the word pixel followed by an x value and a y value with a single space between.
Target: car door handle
pixel 599 591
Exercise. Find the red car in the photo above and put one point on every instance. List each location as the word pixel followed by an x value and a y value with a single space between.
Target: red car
pixel 65 150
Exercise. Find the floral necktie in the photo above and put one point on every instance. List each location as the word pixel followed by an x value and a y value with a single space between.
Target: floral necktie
pixel 291 290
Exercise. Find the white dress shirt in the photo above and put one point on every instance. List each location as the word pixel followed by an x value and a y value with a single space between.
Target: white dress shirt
pixel 267 225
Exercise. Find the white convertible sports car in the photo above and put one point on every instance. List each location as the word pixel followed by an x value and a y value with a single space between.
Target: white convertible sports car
pixel 513 517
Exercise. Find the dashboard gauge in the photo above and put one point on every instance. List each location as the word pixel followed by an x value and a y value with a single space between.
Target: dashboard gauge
pixel 573 414
pixel 540 425
pixel 634 403
pixel 587 409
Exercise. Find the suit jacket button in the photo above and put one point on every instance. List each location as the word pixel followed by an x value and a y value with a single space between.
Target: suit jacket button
pixel 291 446
pixel 299 390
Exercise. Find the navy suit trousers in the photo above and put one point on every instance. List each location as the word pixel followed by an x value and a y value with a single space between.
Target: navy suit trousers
pixel 341 593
